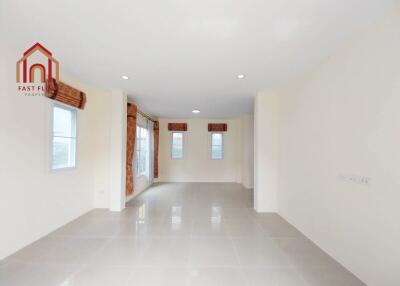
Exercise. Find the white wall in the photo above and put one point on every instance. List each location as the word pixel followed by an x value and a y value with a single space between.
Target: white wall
pixel 34 201
pixel 118 151
pixel 266 152
pixel 197 165
pixel 247 148
pixel 345 119
pixel 101 147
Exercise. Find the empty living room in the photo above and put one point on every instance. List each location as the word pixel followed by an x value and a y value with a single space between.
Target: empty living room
pixel 188 143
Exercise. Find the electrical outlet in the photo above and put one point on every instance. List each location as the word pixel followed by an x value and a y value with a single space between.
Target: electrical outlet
pixel 364 181
pixel 355 179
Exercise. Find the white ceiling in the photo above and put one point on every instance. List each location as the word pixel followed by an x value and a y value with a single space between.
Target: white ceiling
pixel 183 54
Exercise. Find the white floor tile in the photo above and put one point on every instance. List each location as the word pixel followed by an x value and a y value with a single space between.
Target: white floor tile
pixel 180 234
pixel 212 252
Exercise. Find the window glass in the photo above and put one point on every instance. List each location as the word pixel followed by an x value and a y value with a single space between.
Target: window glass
pixel 217 146
pixel 64 138
pixel 177 145
pixel 141 150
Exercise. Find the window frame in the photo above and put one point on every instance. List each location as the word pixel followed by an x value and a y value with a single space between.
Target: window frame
pixel 144 172
pixel 222 145
pixel 172 145
pixel 74 123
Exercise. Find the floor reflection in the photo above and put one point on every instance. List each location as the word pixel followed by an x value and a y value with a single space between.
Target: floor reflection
pixel 141 214
pixel 176 217
pixel 216 216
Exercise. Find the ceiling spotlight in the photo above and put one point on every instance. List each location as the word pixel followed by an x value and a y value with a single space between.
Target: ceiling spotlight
pixel 125 77
pixel 241 76
pixel 196 111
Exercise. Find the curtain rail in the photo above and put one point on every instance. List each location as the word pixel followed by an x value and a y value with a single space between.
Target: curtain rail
pixel 144 114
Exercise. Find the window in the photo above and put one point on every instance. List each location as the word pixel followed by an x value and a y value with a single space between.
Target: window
pixel 63 137
pixel 177 145
pixel 217 146
pixel 141 150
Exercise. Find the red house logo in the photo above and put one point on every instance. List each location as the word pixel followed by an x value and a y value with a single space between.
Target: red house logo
pixel 47 67
pixel 36 66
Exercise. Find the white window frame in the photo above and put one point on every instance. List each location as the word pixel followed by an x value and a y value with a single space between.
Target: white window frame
pixel 172 145
pixel 74 111
pixel 223 145
pixel 144 173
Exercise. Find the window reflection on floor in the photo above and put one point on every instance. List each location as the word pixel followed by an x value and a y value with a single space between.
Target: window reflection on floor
pixel 141 214
pixel 216 216
pixel 176 217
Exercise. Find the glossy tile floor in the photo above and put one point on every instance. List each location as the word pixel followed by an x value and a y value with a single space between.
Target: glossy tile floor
pixel 177 234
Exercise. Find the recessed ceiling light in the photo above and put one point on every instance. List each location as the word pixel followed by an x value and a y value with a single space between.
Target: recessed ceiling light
pixel 196 111
pixel 125 77
pixel 241 76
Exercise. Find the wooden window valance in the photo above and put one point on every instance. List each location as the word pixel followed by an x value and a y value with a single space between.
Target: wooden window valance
pixel 66 94
pixel 217 127
pixel 177 126
pixel 131 110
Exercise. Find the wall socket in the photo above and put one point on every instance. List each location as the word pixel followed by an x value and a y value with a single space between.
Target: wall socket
pixel 355 179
